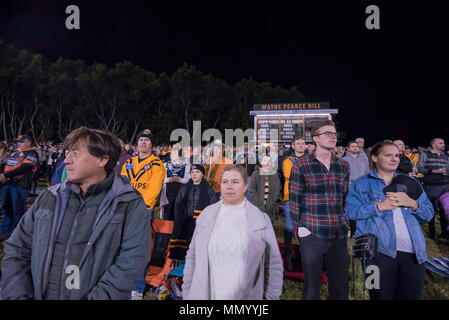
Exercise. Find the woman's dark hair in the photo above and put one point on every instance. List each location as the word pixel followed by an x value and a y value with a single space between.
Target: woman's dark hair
pixel 377 149
pixel 99 143
pixel 240 169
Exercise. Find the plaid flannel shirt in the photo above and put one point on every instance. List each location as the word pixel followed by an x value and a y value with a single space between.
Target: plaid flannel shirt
pixel 317 196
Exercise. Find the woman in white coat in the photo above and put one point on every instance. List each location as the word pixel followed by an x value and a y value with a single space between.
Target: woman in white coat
pixel 234 254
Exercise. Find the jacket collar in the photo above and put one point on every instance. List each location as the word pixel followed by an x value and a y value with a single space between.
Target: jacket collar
pixel 119 186
pixel 374 174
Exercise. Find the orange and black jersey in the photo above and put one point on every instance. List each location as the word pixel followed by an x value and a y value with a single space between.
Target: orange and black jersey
pixel 286 169
pixel 146 176
pixel 20 167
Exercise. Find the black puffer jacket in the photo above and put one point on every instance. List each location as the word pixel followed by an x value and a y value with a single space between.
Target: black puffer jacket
pixel 405 165
pixel 188 206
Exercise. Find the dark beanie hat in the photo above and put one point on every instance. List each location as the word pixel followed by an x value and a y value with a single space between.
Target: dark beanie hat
pixel 146 134
pixel 198 167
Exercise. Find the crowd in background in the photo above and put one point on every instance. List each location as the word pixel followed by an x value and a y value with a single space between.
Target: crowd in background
pixel 183 181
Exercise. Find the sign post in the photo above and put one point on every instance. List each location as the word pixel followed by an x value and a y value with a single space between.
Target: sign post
pixel 289 119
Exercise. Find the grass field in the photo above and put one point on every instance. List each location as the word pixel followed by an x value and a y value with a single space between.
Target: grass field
pixel 436 287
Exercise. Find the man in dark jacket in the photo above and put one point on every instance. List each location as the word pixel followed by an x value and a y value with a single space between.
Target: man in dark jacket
pixel 433 163
pixel 405 165
pixel 125 155
pixel 86 238
pixel 192 198
pixel 17 174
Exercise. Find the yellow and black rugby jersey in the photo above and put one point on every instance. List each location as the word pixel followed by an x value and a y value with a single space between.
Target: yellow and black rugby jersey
pixel 147 177
pixel 286 169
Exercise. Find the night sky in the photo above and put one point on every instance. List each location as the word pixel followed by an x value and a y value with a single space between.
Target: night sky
pixel 388 83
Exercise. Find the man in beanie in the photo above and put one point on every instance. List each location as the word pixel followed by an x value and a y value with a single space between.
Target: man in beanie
pixel 146 174
pixel 192 198
pixel 17 175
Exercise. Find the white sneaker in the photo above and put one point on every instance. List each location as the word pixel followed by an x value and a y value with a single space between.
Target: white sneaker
pixel 136 295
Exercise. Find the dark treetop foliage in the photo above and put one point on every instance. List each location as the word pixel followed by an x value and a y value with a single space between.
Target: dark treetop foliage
pixel 49 99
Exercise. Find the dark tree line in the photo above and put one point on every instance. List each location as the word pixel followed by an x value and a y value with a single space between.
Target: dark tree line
pixel 49 99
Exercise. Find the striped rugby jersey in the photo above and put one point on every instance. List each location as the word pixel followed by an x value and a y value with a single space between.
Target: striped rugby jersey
pixel 146 176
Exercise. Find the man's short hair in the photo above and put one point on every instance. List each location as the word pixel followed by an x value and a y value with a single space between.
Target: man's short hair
pixel 315 129
pixel 99 143
pixel 298 137
pixel 433 140
pixel 351 142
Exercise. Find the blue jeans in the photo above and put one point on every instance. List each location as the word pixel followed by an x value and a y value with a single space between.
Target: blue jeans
pixel 288 217
pixel 140 283
pixel 13 207
pixel 288 235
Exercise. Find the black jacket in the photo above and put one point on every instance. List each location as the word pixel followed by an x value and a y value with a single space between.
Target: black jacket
pixel 188 206
pixel 405 165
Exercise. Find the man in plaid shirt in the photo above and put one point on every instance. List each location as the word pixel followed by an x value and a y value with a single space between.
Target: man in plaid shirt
pixel 318 186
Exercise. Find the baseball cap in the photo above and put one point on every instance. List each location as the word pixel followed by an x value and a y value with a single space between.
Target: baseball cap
pixel 24 137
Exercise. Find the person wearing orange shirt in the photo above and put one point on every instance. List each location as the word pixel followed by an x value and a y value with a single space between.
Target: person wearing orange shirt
pixel 214 167
pixel 299 148
pixel 146 173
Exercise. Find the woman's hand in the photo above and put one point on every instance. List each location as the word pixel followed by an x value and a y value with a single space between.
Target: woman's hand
pixel 387 204
pixel 402 200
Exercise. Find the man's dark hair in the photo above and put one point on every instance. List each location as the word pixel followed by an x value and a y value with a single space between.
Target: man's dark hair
pixel 315 129
pixel 298 137
pixel 99 143
pixel 351 142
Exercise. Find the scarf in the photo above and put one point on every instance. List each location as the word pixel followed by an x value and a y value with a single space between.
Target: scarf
pixel 203 199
